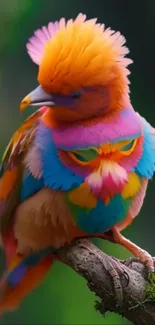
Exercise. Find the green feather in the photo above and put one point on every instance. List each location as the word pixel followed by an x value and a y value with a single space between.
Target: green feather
pixel 86 154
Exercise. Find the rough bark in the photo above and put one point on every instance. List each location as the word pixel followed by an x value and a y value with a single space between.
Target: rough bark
pixel 88 261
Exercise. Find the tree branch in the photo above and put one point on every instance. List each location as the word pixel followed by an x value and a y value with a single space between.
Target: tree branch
pixel 88 261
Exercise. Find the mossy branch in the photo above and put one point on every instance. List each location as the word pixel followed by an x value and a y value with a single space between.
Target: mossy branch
pixel 138 293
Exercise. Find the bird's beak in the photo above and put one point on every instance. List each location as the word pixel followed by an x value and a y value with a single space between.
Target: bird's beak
pixel 36 98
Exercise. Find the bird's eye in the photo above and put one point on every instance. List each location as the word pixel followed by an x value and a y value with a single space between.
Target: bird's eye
pixel 76 94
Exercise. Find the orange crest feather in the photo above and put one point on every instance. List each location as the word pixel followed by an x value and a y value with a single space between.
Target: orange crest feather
pixel 79 54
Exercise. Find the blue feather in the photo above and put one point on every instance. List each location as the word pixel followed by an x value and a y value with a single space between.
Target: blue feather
pixel 55 174
pixel 102 217
pixel 18 273
pixel 30 185
pixel 146 165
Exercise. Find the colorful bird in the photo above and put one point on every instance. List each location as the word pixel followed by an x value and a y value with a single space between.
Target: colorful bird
pixel 80 165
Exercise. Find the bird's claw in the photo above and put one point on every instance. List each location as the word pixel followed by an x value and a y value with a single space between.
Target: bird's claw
pixel 148 260
pixel 116 271
pixel 113 268
pixel 144 258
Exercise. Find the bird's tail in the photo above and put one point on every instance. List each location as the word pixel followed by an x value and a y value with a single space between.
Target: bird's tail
pixel 21 277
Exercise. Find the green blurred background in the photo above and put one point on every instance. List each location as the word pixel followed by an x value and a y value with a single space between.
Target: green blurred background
pixel 63 298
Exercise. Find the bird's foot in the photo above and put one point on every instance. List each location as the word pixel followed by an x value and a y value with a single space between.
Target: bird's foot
pixel 115 270
pixel 143 256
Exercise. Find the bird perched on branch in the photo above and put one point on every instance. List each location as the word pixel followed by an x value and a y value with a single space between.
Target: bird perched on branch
pixel 80 165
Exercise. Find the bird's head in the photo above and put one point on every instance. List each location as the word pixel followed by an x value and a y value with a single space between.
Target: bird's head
pixel 82 69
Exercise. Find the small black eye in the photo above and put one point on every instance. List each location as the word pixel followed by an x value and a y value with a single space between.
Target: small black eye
pixel 76 94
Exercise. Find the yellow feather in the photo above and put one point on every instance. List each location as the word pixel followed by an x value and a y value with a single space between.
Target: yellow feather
pixel 83 197
pixel 132 186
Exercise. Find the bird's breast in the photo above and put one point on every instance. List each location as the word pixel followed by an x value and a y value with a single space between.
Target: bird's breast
pixel 44 220
pixel 106 168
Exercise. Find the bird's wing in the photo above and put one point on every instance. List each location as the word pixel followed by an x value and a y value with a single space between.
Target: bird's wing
pixel 11 168
pixel 11 175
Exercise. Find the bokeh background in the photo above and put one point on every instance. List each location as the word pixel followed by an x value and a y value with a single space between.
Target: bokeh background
pixel 63 298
